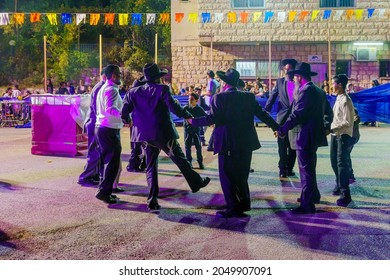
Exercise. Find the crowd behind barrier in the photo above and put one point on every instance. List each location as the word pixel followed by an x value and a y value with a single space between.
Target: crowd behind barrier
pixel 372 104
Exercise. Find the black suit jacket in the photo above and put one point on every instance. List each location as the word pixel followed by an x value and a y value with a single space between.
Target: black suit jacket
pixel 309 119
pixel 233 113
pixel 284 104
pixel 150 106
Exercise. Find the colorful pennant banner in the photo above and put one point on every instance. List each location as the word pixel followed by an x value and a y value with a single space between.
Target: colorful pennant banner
pixel 203 18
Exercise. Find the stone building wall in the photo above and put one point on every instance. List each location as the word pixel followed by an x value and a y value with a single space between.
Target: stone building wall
pixel 191 43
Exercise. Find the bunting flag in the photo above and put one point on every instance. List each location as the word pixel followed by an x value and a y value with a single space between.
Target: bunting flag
pixel 150 19
pixel 123 19
pixel 206 17
pixel 268 16
pixel 193 17
pixel 338 14
pixel 381 13
pixel 218 17
pixel 303 15
pixel 244 17
pixel 370 12
pixel 314 14
pixel 232 17
pixel 327 14
pixel 291 16
pixel 4 18
pixel 52 19
pixel 80 18
pixel 136 19
pixel 109 19
pixel 179 17
pixel 94 19
pixel 359 14
pixel 164 18
pixel 281 17
pixel 66 18
pixel 256 16
pixel 349 14
pixel 19 18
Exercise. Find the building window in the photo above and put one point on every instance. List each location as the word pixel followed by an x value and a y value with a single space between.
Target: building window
pixel 244 4
pixel 343 67
pixel 336 3
pixel 257 69
pixel 384 68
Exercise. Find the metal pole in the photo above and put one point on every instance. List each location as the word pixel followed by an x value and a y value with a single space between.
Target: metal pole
pixel 329 56
pixel 45 63
pixel 100 54
pixel 16 6
pixel 269 63
pixel 211 52
pixel 156 48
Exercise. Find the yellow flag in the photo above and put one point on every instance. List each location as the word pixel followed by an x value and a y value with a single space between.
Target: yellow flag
pixel 94 19
pixel 232 17
pixel 123 19
pixel 359 14
pixel 193 17
pixel 52 18
pixel 314 14
pixel 292 15
pixel 256 16
pixel 19 18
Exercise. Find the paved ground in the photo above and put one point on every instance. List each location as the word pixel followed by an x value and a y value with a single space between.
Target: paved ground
pixel 45 214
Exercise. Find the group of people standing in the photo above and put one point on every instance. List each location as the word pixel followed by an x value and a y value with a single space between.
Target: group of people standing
pixel 304 119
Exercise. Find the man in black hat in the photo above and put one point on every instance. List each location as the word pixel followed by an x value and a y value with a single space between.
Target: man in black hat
pixel 309 121
pixel 284 89
pixel 235 138
pixel 150 105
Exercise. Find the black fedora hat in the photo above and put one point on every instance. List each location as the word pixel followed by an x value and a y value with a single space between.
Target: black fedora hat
pixel 152 72
pixel 290 61
pixel 303 69
pixel 231 76
pixel 240 84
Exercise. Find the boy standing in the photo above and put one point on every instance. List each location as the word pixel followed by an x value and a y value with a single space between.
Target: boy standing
pixel 192 133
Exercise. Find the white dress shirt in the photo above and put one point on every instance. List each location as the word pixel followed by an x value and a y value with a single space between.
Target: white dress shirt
pixel 343 118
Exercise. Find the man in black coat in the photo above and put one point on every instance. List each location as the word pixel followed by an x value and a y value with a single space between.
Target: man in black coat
pixel 235 138
pixel 307 126
pixel 150 105
pixel 284 89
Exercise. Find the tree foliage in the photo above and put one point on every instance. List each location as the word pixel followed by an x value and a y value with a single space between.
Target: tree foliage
pixel 21 50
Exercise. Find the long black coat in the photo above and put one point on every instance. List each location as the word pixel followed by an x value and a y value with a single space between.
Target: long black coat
pixel 150 106
pixel 310 117
pixel 233 114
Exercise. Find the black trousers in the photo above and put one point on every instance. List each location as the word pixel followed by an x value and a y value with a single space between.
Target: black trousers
pixel 287 156
pixel 110 150
pixel 233 173
pixel 307 161
pixel 137 157
pixel 175 153
pixel 193 139
pixel 91 168
pixel 340 158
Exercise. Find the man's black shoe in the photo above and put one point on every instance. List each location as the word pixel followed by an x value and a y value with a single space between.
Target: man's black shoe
pixel 290 173
pixel 282 175
pixel 88 182
pixel 343 202
pixel 301 210
pixel 231 214
pixel 118 190
pixel 205 182
pixel 106 198
pixel 133 169
pixel 154 206
pixel 201 166
pixel 316 201
pixel 210 149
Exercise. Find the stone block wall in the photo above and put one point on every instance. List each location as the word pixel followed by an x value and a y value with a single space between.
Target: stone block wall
pixel 191 43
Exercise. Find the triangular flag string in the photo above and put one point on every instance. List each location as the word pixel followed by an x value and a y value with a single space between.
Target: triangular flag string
pixel 109 19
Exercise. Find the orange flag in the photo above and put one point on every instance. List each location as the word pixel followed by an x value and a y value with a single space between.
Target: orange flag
pixel 179 17
pixel 109 19
pixel 94 19
pixel 35 17
pixel 19 18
